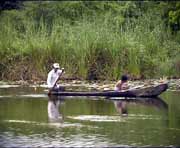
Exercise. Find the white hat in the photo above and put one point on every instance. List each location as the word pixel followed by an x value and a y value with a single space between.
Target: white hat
pixel 56 65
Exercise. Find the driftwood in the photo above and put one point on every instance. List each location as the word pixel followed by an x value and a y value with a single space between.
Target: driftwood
pixel 151 91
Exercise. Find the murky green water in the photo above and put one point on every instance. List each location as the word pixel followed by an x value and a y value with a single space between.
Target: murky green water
pixel 28 118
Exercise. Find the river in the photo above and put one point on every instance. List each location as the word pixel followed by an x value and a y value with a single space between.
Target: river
pixel 28 118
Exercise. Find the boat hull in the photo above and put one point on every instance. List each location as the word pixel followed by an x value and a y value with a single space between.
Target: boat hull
pixel 142 92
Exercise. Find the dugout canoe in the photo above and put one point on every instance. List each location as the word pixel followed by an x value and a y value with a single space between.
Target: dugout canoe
pixel 150 91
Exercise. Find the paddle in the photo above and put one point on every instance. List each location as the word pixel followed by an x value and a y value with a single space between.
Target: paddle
pixel 50 90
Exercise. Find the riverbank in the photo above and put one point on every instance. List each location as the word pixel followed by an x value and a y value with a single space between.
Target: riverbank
pixel 174 84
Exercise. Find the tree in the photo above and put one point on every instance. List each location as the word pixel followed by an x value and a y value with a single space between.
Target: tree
pixel 8 5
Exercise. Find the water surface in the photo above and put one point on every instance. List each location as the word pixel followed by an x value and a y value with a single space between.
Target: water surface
pixel 28 118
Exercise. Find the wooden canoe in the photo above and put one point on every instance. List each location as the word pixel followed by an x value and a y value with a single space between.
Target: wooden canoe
pixel 151 91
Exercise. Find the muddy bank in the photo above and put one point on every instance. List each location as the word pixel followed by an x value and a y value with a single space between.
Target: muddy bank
pixel 174 84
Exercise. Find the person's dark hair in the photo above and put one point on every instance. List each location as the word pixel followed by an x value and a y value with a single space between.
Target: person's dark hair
pixel 124 78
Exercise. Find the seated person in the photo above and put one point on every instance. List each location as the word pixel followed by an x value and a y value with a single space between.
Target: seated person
pixel 122 84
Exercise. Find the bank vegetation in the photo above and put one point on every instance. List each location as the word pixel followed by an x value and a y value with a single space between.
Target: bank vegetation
pixel 91 40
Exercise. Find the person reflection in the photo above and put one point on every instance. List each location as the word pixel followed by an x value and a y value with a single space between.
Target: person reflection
pixel 121 107
pixel 53 109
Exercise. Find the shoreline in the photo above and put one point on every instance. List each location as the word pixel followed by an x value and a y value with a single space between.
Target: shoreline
pixel 174 84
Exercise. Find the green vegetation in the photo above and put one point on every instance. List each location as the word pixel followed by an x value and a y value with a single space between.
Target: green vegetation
pixel 92 40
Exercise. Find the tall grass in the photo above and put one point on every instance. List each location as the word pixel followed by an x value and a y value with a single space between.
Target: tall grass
pixel 96 49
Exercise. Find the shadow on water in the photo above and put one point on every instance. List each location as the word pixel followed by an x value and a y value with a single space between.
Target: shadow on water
pixel 122 109
pixel 121 106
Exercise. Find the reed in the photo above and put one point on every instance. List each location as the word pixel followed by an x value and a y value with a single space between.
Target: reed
pixel 89 48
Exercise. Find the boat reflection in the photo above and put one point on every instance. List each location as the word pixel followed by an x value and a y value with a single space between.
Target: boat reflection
pixel 121 104
pixel 54 104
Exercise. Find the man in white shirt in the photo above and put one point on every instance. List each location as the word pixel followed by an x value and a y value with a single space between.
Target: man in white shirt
pixel 53 77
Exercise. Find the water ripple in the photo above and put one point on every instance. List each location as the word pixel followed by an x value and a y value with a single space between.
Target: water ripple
pixel 37 140
pixel 98 118
pixel 9 86
pixel 34 95
pixel 63 125
pixel 25 96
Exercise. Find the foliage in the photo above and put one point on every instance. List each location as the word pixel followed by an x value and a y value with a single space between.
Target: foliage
pixel 92 40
